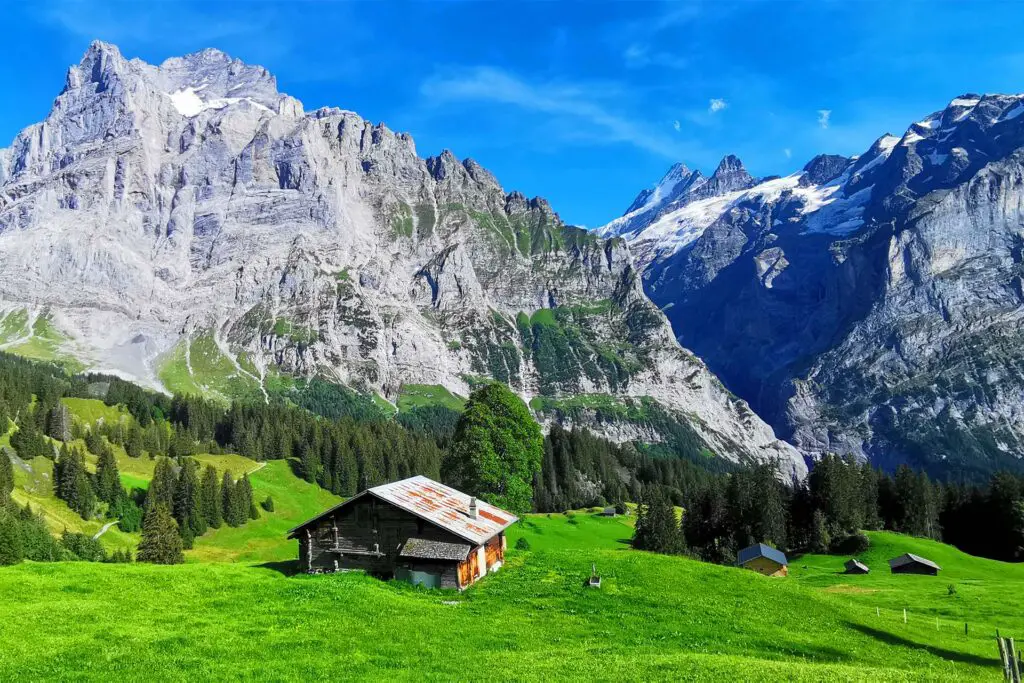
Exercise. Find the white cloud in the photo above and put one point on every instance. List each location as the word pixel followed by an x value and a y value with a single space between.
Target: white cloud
pixel 823 117
pixel 788 152
pixel 588 107
pixel 675 124
pixel 716 104
pixel 639 55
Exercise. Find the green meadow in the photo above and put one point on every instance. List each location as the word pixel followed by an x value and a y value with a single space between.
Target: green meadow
pixel 235 610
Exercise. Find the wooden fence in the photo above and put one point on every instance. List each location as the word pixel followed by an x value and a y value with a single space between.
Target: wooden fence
pixel 1010 658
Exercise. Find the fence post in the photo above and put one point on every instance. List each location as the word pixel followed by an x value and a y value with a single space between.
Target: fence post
pixel 1014 666
pixel 904 615
pixel 1002 656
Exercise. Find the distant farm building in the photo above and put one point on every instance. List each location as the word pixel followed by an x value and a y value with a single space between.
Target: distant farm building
pixel 608 511
pixel 414 529
pixel 856 567
pixel 763 559
pixel 913 564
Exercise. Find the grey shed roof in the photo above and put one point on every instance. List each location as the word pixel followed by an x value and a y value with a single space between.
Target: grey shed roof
pixel 857 564
pixel 761 550
pixel 423 549
pixel 910 558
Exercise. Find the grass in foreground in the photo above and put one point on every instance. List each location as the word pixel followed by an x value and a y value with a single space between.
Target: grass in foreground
pixel 654 618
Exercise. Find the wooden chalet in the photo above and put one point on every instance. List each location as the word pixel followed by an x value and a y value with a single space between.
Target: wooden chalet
pixel 763 559
pixel 414 529
pixel 909 563
pixel 854 566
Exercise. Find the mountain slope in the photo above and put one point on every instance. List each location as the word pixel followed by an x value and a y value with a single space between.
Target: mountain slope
pixel 870 305
pixel 203 232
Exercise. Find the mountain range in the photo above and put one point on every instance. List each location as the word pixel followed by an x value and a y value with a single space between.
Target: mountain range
pixel 869 305
pixel 191 228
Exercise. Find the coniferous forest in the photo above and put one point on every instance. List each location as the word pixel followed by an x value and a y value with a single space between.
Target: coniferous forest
pixel 344 446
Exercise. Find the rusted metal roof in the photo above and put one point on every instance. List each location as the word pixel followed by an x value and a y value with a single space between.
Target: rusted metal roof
pixel 438 504
pixel 424 549
pixel 445 507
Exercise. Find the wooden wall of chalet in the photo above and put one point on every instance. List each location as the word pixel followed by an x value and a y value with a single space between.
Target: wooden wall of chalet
pixel 370 534
pixel 762 565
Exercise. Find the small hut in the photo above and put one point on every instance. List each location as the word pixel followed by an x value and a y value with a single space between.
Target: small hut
pixel 415 529
pixel 763 559
pixel 854 566
pixel 609 511
pixel 913 564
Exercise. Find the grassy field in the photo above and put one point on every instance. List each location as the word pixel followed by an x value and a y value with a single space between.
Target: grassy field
pixel 421 395
pixel 654 617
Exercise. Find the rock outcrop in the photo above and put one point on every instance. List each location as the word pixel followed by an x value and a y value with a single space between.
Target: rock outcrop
pixel 188 225
pixel 871 305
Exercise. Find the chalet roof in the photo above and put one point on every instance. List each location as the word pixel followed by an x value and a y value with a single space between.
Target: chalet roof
pixel 761 550
pixel 910 558
pixel 425 549
pixel 857 564
pixel 438 504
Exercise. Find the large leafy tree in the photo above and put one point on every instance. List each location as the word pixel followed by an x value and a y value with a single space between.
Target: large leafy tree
pixel 497 449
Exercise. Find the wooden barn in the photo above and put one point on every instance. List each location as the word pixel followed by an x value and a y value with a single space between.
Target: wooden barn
pixel 414 529
pixel 854 566
pixel 763 559
pixel 913 564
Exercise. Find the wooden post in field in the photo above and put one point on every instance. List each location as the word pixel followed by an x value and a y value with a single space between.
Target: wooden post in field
pixel 965 630
pixel 877 614
pixel 1014 666
pixel 904 615
pixel 1002 657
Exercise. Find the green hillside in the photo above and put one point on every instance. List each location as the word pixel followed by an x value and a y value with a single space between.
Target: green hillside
pixel 294 499
pixel 655 617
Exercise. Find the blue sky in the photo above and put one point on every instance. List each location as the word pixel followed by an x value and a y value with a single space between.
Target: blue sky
pixel 584 103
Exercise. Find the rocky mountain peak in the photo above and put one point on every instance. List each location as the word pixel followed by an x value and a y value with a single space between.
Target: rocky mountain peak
pixel 825 167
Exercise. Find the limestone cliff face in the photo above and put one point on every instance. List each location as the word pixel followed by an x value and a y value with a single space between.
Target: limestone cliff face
pixel 870 305
pixel 169 221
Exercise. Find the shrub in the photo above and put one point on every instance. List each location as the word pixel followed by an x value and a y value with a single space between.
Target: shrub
pixel 83 547
pixel 853 544
pixel 621 509
pixel 268 504
pixel 522 544
pixel 951 589
pixel 572 520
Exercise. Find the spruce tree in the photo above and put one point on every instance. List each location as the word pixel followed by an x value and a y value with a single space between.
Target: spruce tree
pixel 229 505
pixel 210 502
pixel 162 486
pixel 108 479
pixel 186 503
pixel 161 543
pixel 12 550
pixel 246 504
pixel 6 478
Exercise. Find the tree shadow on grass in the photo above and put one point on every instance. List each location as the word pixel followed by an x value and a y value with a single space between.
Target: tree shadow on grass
pixel 900 641
pixel 285 567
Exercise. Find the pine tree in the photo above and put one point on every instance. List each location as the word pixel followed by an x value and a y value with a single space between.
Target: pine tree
pixel 58 425
pixel 6 478
pixel 161 543
pixel 108 479
pixel 657 529
pixel 246 504
pixel 135 443
pixel 187 512
pixel 162 486
pixel 12 549
pixel 210 503
pixel 229 504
